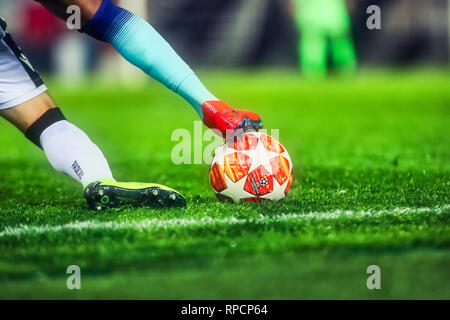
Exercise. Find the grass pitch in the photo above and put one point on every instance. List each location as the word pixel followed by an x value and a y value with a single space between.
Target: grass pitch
pixel 371 186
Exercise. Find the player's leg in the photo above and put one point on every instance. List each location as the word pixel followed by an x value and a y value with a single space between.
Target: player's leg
pixel 341 44
pixel 139 43
pixel 313 53
pixel 24 115
pixel 312 44
pixel 68 149
pixel 343 54
pixel 25 102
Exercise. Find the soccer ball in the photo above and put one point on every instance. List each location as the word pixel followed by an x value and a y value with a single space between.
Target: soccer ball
pixel 254 167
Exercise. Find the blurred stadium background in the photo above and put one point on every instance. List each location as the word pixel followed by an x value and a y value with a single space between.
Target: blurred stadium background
pixel 238 33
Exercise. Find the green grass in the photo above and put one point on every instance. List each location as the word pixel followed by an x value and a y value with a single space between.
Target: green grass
pixel 378 142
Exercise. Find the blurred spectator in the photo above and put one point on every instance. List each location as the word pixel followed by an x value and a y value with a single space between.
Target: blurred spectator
pixel 324 27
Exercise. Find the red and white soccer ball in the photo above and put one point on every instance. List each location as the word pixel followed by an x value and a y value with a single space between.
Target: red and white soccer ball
pixel 254 167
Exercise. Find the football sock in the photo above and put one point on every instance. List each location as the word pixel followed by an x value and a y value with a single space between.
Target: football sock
pixel 68 149
pixel 139 43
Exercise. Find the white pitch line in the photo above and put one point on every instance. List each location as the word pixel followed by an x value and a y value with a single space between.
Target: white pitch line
pixel 23 230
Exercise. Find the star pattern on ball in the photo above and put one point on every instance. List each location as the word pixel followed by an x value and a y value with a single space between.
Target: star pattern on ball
pixel 254 167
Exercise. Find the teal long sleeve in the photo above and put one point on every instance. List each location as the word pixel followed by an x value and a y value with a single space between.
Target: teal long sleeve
pixel 139 43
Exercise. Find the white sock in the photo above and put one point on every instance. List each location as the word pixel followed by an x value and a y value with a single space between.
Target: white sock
pixel 70 151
